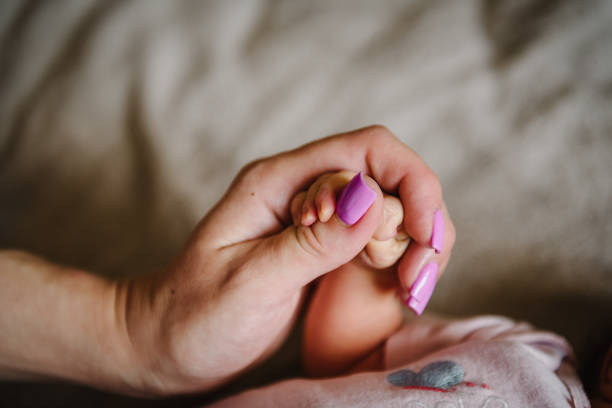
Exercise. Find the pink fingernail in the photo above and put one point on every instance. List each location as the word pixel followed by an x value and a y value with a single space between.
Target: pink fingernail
pixel 437 234
pixel 422 289
pixel 355 200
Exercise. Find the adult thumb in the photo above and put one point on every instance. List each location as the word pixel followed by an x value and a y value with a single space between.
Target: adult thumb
pixel 299 254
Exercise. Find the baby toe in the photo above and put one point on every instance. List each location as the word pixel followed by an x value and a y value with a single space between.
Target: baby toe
pixel 296 207
pixel 330 187
pixel 325 202
pixel 392 220
pixel 383 254
pixel 309 215
pixel 309 210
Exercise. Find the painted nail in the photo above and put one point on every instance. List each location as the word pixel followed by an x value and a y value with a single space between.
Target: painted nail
pixel 355 200
pixel 422 289
pixel 437 234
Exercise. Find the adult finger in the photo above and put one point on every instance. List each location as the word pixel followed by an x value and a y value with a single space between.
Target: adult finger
pixel 258 200
pixel 421 267
pixel 299 254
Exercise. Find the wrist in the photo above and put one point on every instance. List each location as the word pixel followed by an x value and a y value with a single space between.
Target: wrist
pixel 146 342
pixel 107 355
pixel 63 323
pixel 136 330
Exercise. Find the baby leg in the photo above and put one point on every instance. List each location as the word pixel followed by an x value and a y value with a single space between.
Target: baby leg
pixel 355 308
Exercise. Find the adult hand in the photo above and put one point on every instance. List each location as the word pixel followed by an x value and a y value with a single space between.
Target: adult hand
pixel 231 296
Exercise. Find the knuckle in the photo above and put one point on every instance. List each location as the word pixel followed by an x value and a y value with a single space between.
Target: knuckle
pixel 374 132
pixel 378 130
pixel 379 133
pixel 430 183
pixel 252 172
pixel 253 166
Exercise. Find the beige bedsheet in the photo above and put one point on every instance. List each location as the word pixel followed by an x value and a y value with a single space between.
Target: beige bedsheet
pixel 121 123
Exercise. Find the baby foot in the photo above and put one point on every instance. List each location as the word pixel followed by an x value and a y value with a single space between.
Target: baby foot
pixel 318 203
pixel 389 241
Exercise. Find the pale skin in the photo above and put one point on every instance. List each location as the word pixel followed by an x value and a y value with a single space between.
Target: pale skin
pixel 356 307
pixel 230 297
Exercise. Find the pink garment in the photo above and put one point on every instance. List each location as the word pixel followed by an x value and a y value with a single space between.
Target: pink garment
pixel 483 362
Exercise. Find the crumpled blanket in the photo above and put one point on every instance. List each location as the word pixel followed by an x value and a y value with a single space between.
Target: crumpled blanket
pixel 480 362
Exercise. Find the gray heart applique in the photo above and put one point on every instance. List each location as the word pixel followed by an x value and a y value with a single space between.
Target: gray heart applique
pixel 441 374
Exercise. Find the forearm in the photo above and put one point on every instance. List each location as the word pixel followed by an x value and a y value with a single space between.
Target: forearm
pixel 57 322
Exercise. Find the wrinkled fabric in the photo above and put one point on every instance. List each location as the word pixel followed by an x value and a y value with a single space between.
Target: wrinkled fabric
pixel 121 123
pixel 494 362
